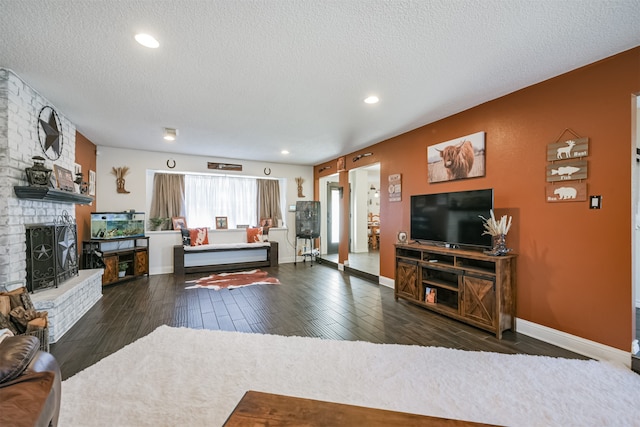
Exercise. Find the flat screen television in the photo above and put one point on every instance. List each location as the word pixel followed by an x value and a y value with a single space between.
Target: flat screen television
pixel 452 218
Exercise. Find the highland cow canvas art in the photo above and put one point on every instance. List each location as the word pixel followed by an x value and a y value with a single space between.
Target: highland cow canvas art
pixel 458 158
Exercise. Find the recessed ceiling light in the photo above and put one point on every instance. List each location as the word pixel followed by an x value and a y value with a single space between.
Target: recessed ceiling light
pixel 284 152
pixel 170 134
pixel 147 41
pixel 371 99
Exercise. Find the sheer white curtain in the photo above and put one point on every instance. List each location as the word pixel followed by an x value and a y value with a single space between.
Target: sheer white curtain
pixel 209 196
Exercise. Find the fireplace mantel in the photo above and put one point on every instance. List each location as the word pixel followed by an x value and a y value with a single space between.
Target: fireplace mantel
pixel 48 194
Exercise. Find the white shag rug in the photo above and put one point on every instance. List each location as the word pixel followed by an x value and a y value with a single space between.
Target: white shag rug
pixel 179 377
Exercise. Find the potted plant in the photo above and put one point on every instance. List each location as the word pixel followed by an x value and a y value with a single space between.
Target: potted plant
pixel 156 224
pixel 122 269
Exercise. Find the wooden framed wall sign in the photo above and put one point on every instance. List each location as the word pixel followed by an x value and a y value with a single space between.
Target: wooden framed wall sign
pixel 395 187
pixel 570 149
pixel 567 170
pixel 567 192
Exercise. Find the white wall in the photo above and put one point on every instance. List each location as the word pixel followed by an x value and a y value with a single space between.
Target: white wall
pixel 139 196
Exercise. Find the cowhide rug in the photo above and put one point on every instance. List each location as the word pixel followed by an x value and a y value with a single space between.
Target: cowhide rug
pixel 233 280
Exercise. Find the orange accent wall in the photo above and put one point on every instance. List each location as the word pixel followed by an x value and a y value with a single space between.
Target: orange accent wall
pixel 86 157
pixel 574 263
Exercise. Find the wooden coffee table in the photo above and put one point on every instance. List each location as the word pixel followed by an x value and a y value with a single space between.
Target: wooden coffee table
pixel 265 409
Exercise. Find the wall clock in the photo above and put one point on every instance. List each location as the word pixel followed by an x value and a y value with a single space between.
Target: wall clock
pixel 50 133
pixel 402 237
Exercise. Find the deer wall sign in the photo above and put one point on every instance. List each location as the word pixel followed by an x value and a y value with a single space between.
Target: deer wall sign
pixel 567 169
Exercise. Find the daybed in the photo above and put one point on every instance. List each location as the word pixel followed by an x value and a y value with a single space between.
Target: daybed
pixel 224 257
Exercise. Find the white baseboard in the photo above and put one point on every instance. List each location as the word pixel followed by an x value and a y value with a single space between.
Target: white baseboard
pixel 574 343
pixel 561 339
pixel 385 281
pixel 161 270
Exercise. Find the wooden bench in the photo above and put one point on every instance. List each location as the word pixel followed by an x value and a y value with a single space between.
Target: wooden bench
pixel 224 257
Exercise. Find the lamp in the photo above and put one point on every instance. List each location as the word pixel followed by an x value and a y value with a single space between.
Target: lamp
pixel 170 134
pixel 359 156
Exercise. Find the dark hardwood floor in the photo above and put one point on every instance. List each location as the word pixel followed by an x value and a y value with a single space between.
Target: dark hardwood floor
pixel 314 301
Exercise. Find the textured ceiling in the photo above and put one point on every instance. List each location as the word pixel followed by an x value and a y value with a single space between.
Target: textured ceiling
pixel 246 79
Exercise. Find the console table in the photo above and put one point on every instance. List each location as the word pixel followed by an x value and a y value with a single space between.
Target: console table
pixel 109 254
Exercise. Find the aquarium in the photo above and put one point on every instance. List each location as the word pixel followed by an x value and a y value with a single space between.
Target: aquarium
pixel 117 225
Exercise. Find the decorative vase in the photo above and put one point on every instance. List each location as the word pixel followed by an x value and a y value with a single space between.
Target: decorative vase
pixel 121 273
pixel 499 245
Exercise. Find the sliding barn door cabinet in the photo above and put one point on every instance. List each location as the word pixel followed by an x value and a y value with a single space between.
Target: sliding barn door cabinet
pixel 469 286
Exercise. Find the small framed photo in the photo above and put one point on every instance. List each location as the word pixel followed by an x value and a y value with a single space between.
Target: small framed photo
pixel 266 222
pixel 430 296
pixel 179 222
pixel 64 178
pixel 221 223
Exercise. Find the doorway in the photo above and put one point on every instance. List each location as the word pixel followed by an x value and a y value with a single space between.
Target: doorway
pixel 333 217
pixel 365 220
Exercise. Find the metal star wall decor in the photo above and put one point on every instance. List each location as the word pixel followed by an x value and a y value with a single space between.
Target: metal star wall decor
pixel 49 133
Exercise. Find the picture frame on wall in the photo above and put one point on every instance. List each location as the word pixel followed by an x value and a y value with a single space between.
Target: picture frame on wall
pixel 221 223
pixel 92 183
pixel 459 158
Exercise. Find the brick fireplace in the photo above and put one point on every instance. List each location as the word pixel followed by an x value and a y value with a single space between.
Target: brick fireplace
pixel 19 109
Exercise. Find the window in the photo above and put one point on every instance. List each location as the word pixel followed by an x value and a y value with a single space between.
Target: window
pixel 208 196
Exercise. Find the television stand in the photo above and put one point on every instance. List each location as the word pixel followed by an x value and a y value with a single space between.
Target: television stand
pixel 468 286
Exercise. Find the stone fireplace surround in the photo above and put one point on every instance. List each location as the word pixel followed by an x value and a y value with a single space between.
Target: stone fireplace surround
pixel 19 108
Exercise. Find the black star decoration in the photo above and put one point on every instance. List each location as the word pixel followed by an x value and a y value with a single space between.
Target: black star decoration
pixel 52 134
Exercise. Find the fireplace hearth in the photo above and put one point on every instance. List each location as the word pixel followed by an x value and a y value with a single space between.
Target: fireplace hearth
pixel 52 253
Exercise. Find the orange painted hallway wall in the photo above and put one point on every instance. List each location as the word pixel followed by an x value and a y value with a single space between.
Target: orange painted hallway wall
pixel 574 264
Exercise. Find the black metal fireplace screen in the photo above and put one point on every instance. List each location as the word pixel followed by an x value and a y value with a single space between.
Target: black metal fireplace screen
pixel 52 253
